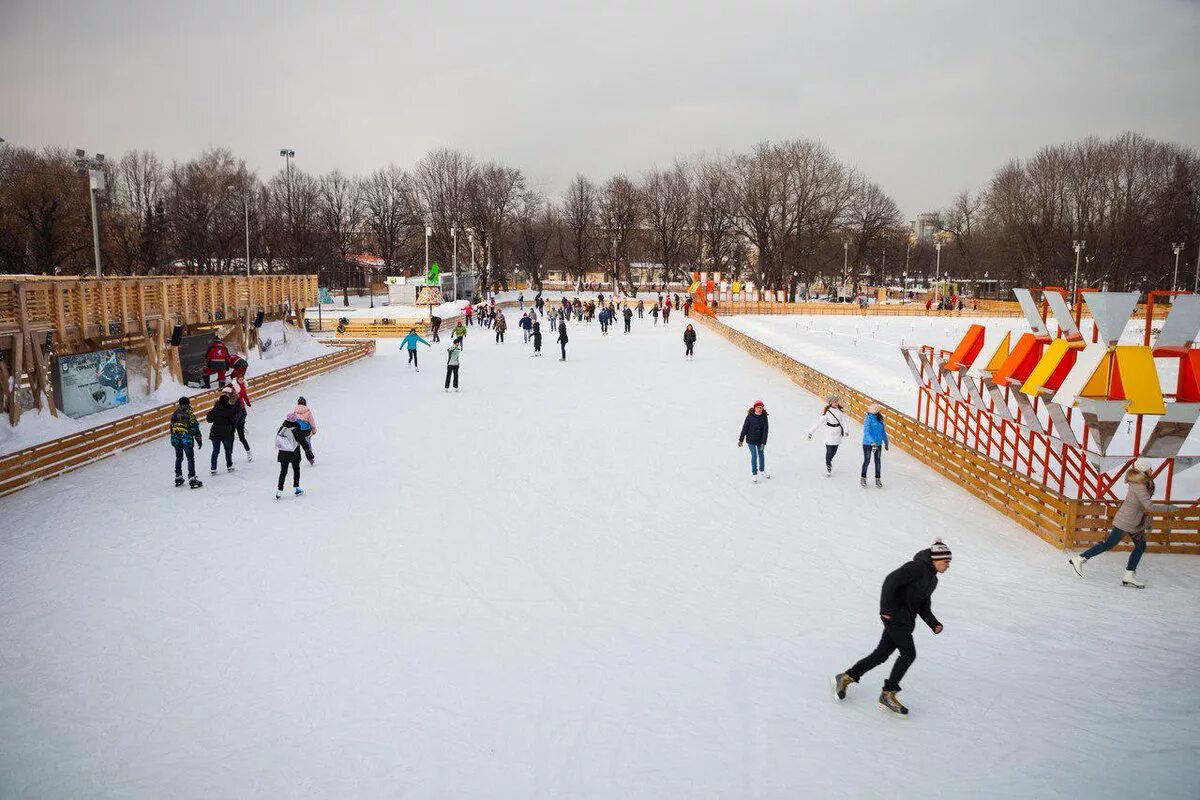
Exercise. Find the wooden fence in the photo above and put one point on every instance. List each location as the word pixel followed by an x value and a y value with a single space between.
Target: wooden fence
pixel 60 456
pixel 1061 521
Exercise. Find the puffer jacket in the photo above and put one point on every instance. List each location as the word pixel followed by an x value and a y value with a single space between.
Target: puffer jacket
pixel 755 429
pixel 305 415
pixel 906 592
pixel 185 430
pixel 874 431
pixel 1133 515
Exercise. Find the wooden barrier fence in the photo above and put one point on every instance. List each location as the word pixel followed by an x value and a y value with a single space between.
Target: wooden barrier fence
pixel 60 456
pixel 1061 521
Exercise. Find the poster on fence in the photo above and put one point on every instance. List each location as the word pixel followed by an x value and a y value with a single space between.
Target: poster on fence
pixel 271 339
pixel 85 383
pixel 192 350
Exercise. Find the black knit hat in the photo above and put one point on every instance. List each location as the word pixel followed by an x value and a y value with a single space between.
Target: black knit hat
pixel 302 401
pixel 183 401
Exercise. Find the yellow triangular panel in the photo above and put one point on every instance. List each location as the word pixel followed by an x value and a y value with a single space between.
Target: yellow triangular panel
pixel 1097 385
pixel 1000 355
pixel 1140 380
pixel 1045 368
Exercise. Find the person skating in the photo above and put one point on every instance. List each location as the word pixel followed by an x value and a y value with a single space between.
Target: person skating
pixel 287 446
pixel 467 312
pixel 641 308
pixel 501 325
pixel 460 333
pixel 654 312
pixel 307 428
pixel 666 312
pixel 185 432
pixel 239 398
pixel 1131 519
pixel 526 325
pixel 220 432
pixel 435 324
pixel 562 339
pixel 874 437
pixel 604 322
pixel 687 307
pixel 216 359
pixel 754 433
pixel 409 343
pixel 628 314
pixel 536 335
pixel 833 421
pixel 905 596
pixel 689 342
pixel 452 360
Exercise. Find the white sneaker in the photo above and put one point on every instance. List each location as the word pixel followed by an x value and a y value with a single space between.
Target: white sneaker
pixel 278 495
pixel 754 479
pixel 766 475
pixel 1132 581
pixel 1077 563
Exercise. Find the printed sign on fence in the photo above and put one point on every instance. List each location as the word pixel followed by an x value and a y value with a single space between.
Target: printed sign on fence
pixel 85 383
pixel 192 350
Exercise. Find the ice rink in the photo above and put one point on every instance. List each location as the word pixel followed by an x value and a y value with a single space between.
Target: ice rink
pixel 561 583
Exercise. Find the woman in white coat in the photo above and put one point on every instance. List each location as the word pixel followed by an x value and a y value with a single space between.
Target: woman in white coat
pixel 833 420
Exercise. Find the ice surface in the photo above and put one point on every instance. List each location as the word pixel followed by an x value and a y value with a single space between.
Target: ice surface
pixel 561 583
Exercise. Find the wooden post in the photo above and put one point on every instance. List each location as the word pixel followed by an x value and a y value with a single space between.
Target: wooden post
pixel 60 312
pixel 18 370
pixel 1070 524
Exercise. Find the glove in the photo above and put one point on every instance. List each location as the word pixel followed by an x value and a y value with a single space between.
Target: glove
pixel 739 444
pixel 199 444
pixel 937 628
pixel 885 447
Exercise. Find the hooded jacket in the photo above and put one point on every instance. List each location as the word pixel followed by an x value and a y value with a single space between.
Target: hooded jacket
pixel 185 430
pixel 305 416
pixel 873 430
pixel 1132 516
pixel 755 428
pixel 906 592
pixel 221 417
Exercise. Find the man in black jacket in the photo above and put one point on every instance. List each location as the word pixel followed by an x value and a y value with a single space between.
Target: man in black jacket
pixel 562 339
pixel 905 597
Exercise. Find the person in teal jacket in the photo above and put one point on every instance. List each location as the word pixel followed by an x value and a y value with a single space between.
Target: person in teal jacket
pixel 874 436
pixel 410 343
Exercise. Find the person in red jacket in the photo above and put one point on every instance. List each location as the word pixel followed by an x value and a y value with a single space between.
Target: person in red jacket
pixel 216 360
pixel 237 364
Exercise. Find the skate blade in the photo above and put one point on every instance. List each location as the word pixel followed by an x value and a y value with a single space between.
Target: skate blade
pixel 833 688
pixel 885 710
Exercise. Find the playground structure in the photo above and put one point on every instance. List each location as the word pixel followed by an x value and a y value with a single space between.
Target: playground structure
pixel 1068 412
pixel 43 318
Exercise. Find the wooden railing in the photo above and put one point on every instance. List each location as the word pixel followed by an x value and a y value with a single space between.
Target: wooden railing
pixel 726 307
pixel 60 456
pixel 1057 519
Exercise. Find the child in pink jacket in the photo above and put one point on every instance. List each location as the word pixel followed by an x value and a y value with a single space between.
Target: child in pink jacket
pixel 307 429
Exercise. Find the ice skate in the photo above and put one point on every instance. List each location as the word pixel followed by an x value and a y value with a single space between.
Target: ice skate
pixel 841 682
pixel 195 483
pixel 278 495
pixel 1077 563
pixel 298 491
pixel 249 456
pixel 179 480
pixel 1131 580
pixel 312 461
pixel 754 479
pixel 229 468
pixel 766 475
pixel 828 470
pixel 862 482
pixel 878 483
pixel 212 472
pixel 889 702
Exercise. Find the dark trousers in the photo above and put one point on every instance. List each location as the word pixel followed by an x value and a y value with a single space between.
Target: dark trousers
pixel 452 371
pixel 868 449
pixel 412 357
pixel 690 346
pixel 182 450
pixel 436 338
pixel 628 322
pixel 895 637
pixel 217 444
pixel 537 345
pixel 240 430
pixel 468 319
pixel 499 336
pixel 292 461
pixel 1114 537
pixel 301 438
pixel 830 452
pixel 563 345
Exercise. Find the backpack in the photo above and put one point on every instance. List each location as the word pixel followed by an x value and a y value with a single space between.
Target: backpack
pixel 285 440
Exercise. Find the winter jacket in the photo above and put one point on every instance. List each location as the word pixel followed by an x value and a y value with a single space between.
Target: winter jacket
pixel 410 342
pixel 287 434
pixel 1133 514
pixel 628 312
pixel 689 336
pixel 833 422
pixel 305 416
pixel 537 335
pixel 454 351
pixel 501 324
pixel 221 418
pixel 435 322
pixel 754 429
pixel 459 330
pixel 562 332
pixel 185 430
pixel 907 590
pixel 243 395
pixel 526 323
pixel 217 352
pixel 873 430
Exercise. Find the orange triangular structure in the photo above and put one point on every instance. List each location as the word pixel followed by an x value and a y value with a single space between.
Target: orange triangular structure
pixel 1021 361
pixel 968 349
pixel 1097 384
pixel 1000 354
pixel 1188 389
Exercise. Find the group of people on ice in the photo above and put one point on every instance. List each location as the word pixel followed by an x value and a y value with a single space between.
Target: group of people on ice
pixel 227 420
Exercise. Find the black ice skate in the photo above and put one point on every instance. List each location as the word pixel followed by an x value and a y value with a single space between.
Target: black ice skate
pixel 889 702
pixel 195 483
pixel 179 480
pixel 841 682
pixel 878 483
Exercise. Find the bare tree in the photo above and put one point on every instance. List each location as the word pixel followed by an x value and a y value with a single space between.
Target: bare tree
pixel 619 210
pixel 493 194
pixel 580 212
pixel 667 197
pixel 390 214
pixel 340 210
pixel 714 215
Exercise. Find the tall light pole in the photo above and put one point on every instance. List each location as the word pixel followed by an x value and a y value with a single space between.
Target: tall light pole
pixel 845 259
pixel 471 240
pixel 937 274
pixel 1078 244
pixel 1178 248
pixel 94 169
pixel 615 268
pixel 428 233
pixel 454 258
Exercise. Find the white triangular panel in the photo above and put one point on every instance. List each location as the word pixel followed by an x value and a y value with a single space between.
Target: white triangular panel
pixel 1032 315
pixel 1111 311
pixel 1066 322
pixel 1183 322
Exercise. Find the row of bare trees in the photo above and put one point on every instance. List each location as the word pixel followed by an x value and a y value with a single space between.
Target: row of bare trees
pixel 781 215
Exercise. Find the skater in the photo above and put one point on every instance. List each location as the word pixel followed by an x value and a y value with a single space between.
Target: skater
pixel 307 429
pixel 185 431
pixel 641 309
pixel 521 301
pixel 754 433
pixel 216 359
pixel 501 326
pixel 454 352
pixel 460 333
pixel 833 419
pixel 628 314
pixel 239 398
pixel 905 596
pixel 536 335
pixel 689 341
pixel 1131 519
pixel 687 307
pixel 435 324
pixel 526 325
pixel 220 434
pixel 604 321
pixel 562 339
pixel 410 343
pixel 467 311
pixel 654 312
pixel 666 312
pixel 874 435
pixel 288 446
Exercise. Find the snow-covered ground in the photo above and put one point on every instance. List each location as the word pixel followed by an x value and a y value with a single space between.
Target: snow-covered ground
pixel 36 427
pixel 561 583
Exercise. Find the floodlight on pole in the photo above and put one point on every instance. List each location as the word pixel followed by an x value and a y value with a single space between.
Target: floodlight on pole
pixel 94 169
pixel 1078 244
pixel 454 257
pixel 1177 247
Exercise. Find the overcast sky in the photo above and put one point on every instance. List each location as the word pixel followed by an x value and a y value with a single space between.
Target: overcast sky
pixel 926 98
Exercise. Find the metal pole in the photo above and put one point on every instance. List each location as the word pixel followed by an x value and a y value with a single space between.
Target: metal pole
pixel 454 259
pixel 249 292
pixel 95 227
pixel 937 273
pixel 1078 245
pixel 427 232
pixel 1175 280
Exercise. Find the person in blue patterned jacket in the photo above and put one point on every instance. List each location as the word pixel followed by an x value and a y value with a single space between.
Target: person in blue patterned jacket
pixel 185 432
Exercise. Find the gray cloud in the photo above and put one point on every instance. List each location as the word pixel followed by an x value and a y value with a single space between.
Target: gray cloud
pixel 926 97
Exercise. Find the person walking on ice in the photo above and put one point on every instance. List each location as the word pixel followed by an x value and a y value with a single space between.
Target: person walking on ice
pixel 460 333
pixel 288 449
pixel 536 335
pixel 501 325
pixel 1131 519
pixel 689 342
pixel 453 354
pixel 409 343
pixel 185 431
pixel 220 434
pixel 754 433
pixel 627 312
pixel 562 340
pixel 905 596
pixel 833 420
pixel 874 437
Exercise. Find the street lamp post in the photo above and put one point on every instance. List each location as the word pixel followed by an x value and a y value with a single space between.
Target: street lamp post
pixel 454 258
pixel 1178 248
pixel 937 274
pixel 94 169
pixel 1078 244
pixel 428 233
pixel 471 239
pixel 845 260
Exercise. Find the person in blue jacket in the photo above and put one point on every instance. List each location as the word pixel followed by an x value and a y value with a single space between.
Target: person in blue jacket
pixel 526 324
pixel 410 343
pixel 874 437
